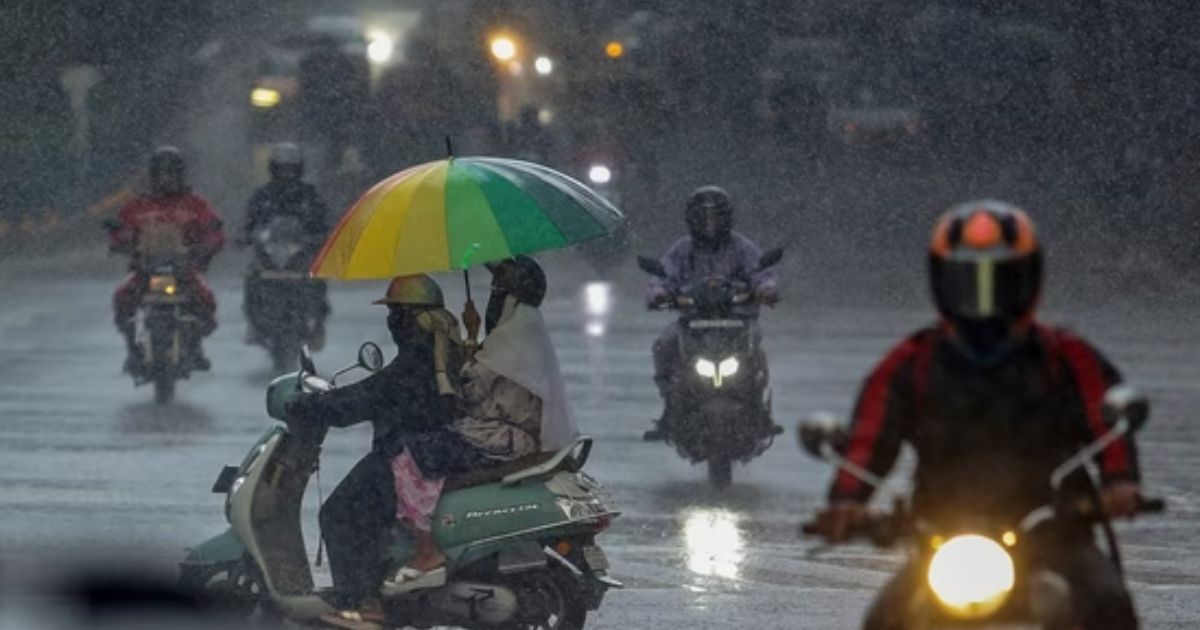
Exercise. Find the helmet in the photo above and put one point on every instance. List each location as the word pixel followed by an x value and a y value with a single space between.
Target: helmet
pixel 522 279
pixel 286 162
pixel 709 215
pixel 417 290
pixel 167 171
pixel 985 270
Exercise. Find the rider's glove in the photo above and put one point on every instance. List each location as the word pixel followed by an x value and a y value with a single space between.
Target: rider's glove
pixel 658 298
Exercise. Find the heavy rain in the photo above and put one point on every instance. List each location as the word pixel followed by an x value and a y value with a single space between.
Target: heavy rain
pixel 204 205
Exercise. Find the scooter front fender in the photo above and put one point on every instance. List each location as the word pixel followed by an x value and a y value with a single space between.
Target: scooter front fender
pixel 220 549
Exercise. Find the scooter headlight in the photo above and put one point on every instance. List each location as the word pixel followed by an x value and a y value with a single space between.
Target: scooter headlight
pixel 971 576
pixel 706 368
pixel 729 367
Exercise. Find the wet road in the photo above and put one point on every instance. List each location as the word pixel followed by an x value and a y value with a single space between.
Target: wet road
pixel 90 464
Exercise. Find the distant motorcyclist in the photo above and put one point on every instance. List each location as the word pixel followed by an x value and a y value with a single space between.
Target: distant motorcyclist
pixel 711 249
pixel 170 207
pixel 992 402
pixel 286 195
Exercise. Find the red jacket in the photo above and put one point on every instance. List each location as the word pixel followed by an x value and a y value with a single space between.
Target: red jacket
pixel 201 228
pixel 986 439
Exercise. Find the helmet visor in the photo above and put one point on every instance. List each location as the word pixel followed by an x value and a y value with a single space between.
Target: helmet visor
pixel 985 287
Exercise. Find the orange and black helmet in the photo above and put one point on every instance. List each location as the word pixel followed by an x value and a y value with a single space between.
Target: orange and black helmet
pixel 985 264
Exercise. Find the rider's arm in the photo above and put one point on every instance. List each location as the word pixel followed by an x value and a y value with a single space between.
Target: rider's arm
pixel 765 281
pixel 122 239
pixel 317 221
pixel 209 232
pixel 1093 376
pixel 880 421
pixel 350 404
pixel 678 271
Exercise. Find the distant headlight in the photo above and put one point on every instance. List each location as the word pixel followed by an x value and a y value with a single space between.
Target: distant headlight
pixel 264 98
pixel 599 174
pixel 706 368
pixel 971 576
pixel 381 48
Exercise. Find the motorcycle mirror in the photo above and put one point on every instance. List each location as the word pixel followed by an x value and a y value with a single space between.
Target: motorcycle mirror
pixel 770 259
pixel 370 357
pixel 817 430
pixel 1124 401
pixel 306 361
pixel 651 266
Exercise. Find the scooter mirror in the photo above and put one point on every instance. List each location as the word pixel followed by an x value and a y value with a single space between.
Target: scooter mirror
pixel 370 357
pixel 818 430
pixel 306 361
pixel 1124 401
pixel 770 259
pixel 651 266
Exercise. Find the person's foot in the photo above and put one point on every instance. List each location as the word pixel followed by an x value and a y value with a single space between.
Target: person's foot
pixel 368 615
pixel 133 364
pixel 200 363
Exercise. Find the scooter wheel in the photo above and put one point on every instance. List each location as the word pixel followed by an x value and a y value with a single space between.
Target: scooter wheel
pixel 549 602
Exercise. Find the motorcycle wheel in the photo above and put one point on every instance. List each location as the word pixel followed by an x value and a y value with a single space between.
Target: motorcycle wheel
pixel 164 381
pixel 235 589
pixel 549 601
pixel 720 472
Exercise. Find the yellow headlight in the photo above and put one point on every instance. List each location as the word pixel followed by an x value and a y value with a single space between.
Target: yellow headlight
pixel 971 576
pixel 264 98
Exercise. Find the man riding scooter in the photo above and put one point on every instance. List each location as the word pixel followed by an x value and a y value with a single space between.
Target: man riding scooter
pixel 286 197
pixel 711 249
pixel 170 211
pixel 992 402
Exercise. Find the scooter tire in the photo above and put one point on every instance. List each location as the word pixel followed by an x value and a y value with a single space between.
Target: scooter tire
pixel 551 590
pixel 164 386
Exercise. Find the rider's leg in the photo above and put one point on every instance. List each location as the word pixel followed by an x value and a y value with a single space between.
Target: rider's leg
pixel 204 307
pixel 1098 593
pixel 125 304
pixel 887 613
pixel 252 306
pixel 666 364
pixel 416 499
pixel 353 522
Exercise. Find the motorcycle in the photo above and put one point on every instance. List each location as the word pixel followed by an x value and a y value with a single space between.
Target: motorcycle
pixel 283 304
pixel 719 410
pixel 520 539
pixel 984 575
pixel 166 334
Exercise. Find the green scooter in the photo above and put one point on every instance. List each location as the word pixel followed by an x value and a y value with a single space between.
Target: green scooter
pixel 519 539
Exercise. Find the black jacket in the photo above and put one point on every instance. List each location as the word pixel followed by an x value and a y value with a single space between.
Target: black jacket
pixel 398 400
pixel 986 439
pixel 298 199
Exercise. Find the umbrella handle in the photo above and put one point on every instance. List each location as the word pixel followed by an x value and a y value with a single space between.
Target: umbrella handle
pixel 470 318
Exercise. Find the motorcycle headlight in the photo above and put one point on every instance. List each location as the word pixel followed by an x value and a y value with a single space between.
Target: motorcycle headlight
pixel 706 368
pixel 600 174
pixel 163 284
pixel 971 576
pixel 729 367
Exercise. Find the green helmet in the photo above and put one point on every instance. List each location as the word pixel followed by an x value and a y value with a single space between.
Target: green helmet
pixel 416 290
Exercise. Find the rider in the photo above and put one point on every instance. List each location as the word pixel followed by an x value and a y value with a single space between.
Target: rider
pixel 992 402
pixel 286 195
pixel 712 248
pixel 412 396
pixel 169 204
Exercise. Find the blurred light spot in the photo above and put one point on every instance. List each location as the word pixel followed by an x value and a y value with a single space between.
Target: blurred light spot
pixel 614 50
pixel 503 48
pixel 599 174
pixel 264 98
pixel 713 542
pixel 381 48
pixel 515 68
pixel 597 297
pixel 543 65
pixel 545 116
pixel 595 329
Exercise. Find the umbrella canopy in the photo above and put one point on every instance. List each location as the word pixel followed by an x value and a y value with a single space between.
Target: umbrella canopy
pixel 456 212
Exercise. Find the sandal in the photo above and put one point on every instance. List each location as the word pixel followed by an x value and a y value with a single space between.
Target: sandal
pixel 410 579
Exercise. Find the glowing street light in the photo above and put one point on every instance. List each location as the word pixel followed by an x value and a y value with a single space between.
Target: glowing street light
pixel 381 48
pixel 543 65
pixel 503 48
pixel 614 49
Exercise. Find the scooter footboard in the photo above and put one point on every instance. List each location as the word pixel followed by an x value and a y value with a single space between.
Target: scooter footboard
pixel 223 548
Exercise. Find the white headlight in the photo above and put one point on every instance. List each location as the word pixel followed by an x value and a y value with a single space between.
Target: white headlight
pixel 543 65
pixel 596 295
pixel 599 174
pixel 706 368
pixel 729 366
pixel 381 48
pixel 971 576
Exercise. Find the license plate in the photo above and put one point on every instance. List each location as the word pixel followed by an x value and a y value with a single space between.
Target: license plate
pixel 596 560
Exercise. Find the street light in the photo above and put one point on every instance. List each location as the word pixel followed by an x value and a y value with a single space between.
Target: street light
pixel 381 48
pixel 503 48
pixel 543 65
pixel 614 49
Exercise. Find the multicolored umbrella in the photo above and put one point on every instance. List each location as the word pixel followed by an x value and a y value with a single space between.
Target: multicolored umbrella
pixel 457 212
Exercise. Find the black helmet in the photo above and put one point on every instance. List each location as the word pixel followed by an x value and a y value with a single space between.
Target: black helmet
pixel 167 171
pixel 710 216
pixel 985 270
pixel 522 278
pixel 286 162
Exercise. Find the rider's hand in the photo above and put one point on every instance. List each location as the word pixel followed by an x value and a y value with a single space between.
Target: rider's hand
pixel 768 296
pixel 658 299
pixel 1121 499
pixel 302 407
pixel 837 521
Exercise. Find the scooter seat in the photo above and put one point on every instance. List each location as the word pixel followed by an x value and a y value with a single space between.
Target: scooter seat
pixel 494 474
